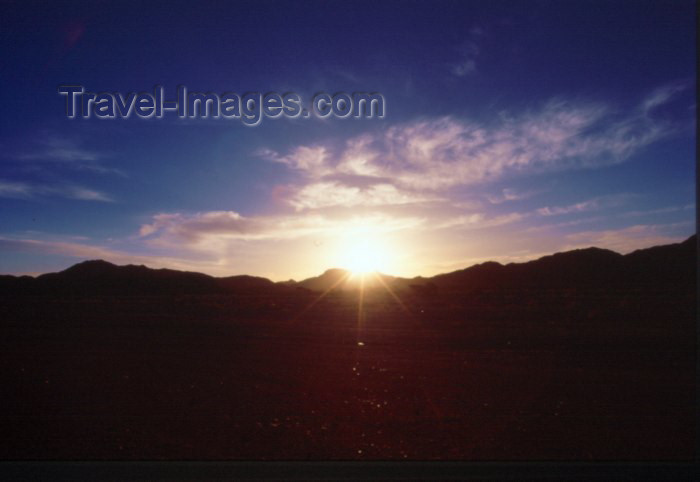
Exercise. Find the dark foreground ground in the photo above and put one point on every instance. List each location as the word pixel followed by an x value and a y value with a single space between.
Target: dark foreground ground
pixel 510 374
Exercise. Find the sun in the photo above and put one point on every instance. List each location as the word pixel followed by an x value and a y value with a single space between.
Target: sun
pixel 363 254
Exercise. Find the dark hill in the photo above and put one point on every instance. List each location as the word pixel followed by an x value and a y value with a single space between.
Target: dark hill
pixel 578 267
pixel 669 264
pixel 674 263
pixel 590 267
pixel 330 278
pixel 95 277
pixel 100 277
pixel 343 280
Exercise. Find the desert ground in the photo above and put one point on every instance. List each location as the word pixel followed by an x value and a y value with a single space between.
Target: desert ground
pixel 503 374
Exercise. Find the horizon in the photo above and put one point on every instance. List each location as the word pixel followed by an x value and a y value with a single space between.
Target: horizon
pixel 511 130
pixel 352 274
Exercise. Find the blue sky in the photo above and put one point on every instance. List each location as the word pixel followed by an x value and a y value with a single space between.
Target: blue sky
pixel 512 130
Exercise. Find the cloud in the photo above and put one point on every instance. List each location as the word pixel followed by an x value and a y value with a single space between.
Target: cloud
pixel 520 257
pixel 358 158
pixel 393 181
pixel 316 240
pixel 468 53
pixel 441 153
pixel 204 230
pixel 662 95
pixel 224 242
pixel 666 210
pixel 628 239
pixel 508 195
pixel 588 205
pixel 311 160
pixel 87 251
pixel 188 227
pixel 480 221
pixel 465 67
pixel 15 190
pixel 23 190
pixel 84 194
pixel 68 153
pixel 330 194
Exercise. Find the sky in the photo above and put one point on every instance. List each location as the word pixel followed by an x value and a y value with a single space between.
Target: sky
pixel 512 130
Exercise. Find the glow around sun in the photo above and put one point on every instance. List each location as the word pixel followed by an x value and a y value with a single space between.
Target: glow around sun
pixel 363 253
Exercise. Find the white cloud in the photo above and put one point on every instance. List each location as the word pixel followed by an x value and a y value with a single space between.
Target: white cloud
pixel 223 243
pixel 358 158
pixel 480 221
pixel 437 154
pixel 394 181
pixel 330 194
pixel 508 195
pixel 311 160
pixel 317 240
pixel 572 208
pixel 200 230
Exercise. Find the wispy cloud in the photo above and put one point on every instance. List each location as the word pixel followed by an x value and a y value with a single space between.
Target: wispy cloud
pixel 225 242
pixel 88 251
pixel 23 190
pixel 588 205
pixel 315 238
pixel 330 194
pixel 627 239
pixel 407 181
pixel 15 190
pixel 311 160
pixel 481 221
pixel 468 53
pixel 666 210
pixel 508 194
pixel 222 243
pixel 663 95
pixel 67 153
pixel 437 154
pixel 200 230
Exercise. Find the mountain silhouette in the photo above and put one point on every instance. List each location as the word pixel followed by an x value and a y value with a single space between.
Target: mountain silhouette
pixel 101 277
pixel 674 264
pixel 579 354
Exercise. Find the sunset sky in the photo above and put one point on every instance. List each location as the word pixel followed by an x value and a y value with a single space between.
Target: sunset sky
pixel 512 130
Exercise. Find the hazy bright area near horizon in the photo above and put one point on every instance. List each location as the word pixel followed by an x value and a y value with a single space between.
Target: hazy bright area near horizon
pixel 512 130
